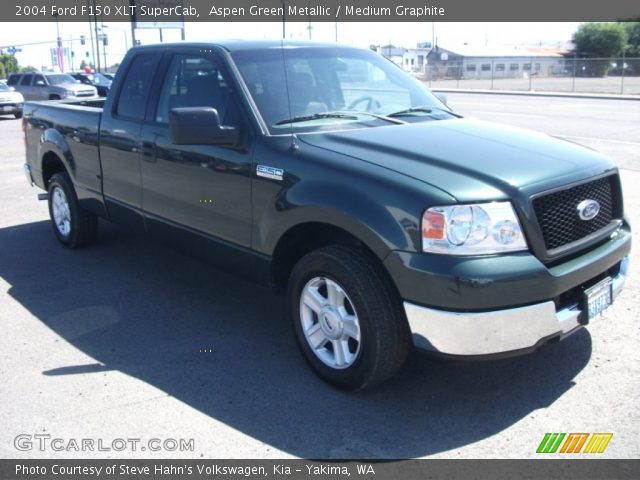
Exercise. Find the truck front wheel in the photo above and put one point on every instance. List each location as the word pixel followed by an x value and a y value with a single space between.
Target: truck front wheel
pixel 347 317
pixel 72 226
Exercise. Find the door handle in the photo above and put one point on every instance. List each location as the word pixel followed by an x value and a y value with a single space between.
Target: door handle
pixel 148 150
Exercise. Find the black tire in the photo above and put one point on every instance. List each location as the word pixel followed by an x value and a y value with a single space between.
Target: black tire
pixel 385 340
pixel 83 225
pixel 18 114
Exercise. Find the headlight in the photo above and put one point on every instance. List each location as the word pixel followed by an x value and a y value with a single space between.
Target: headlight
pixel 472 229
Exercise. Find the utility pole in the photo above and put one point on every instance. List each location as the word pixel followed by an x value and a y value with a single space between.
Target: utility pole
pixel 95 27
pixel 93 49
pixel 104 41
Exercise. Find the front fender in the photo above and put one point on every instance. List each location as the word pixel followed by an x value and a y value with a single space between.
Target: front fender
pixel 382 226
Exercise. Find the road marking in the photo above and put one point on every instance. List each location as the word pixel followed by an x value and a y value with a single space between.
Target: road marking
pixel 608 140
pixel 488 112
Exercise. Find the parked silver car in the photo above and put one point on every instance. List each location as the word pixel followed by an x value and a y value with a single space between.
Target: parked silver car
pixel 10 101
pixel 50 86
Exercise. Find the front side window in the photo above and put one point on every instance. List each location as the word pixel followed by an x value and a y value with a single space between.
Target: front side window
pixel 196 81
pixel 60 79
pixel 39 78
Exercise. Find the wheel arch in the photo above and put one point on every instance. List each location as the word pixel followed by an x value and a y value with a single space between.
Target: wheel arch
pixel 55 155
pixel 305 237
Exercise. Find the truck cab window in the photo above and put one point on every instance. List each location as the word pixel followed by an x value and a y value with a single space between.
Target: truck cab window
pixel 137 84
pixel 196 81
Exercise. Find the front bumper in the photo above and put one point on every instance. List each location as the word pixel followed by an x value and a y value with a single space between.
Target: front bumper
pixel 10 108
pixel 508 331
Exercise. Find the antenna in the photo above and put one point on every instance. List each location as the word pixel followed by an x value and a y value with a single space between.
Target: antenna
pixel 294 143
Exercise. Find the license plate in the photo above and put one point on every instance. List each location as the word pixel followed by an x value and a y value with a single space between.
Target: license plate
pixel 598 298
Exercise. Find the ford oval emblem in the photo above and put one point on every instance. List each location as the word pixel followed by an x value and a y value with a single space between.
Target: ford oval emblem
pixel 588 209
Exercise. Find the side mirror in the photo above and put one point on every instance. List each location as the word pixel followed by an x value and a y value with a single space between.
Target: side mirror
pixel 199 126
pixel 39 83
pixel 441 96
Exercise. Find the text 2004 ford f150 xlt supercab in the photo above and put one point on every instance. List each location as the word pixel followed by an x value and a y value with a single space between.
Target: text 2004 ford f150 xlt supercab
pixel 329 172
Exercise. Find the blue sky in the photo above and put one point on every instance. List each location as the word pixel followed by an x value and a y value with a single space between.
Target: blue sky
pixel 361 34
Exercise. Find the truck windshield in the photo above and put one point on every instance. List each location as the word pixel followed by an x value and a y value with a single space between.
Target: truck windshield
pixel 309 82
pixel 60 79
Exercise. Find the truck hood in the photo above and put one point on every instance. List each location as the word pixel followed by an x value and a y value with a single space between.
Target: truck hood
pixel 76 87
pixel 471 160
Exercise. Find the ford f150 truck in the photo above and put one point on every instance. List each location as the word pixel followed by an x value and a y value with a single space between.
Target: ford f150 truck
pixel 329 173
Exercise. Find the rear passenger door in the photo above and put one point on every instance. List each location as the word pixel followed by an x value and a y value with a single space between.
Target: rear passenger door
pixel 25 88
pixel 120 141
pixel 203 187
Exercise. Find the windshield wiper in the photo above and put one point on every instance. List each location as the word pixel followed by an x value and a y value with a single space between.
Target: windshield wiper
pixel 344 115
pixel 317 116
pixel 422 109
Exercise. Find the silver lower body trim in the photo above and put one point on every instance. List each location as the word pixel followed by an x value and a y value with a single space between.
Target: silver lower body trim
pixel 500 331
pixel 27 172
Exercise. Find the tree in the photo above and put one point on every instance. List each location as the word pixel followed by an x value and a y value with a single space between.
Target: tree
pixel 602 41
pixel 84 64
pixel 9 62
pixel 632 51
pixel 3 72
pixel 28 69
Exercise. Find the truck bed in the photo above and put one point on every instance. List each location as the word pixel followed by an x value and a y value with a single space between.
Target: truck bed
pixel 73 127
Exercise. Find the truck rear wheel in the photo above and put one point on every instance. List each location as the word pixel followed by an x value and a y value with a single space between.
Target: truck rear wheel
pixel 347 317
pixel 72 226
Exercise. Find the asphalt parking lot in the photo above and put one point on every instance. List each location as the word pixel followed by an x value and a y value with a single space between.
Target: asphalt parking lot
pixel 131 340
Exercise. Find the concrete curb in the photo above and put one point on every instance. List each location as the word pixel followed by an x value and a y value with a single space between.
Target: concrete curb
pixel 603 96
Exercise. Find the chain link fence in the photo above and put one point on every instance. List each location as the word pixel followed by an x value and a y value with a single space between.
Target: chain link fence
pixel 542 74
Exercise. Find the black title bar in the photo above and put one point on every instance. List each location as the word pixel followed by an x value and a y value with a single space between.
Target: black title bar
pixel 116 469
pixel 164 11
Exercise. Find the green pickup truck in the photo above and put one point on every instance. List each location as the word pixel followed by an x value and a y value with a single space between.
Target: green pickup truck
pixel 330 174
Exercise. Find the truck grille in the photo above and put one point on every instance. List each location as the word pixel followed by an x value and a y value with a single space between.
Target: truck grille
pixel 557 212
pixel 85 93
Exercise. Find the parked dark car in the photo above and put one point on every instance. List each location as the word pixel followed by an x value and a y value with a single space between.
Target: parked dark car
pixel 334 176
pixel 98 80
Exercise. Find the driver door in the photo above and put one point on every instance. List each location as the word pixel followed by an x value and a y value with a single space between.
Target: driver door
pixel 206 188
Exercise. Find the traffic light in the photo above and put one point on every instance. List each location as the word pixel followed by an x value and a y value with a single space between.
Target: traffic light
pixel 105 40
pixel 82 40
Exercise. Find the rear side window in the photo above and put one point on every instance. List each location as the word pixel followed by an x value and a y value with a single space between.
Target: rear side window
pixel 26 80
pixel 13 80
pixel 136 86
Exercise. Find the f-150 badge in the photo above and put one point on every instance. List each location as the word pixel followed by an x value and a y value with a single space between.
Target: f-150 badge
pixel 269 172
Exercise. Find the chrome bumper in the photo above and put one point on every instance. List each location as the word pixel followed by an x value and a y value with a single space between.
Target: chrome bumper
pixel 500 331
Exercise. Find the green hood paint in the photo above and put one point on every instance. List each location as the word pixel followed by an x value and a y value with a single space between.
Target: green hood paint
pixel 471 160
